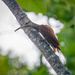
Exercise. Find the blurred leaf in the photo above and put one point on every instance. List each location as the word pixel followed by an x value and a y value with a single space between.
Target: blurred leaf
pixel 72 26
pixel 37 6
pixel 72 2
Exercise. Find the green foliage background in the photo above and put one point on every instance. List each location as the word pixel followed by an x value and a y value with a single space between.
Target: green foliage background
pixel 63 10
pixel 12 66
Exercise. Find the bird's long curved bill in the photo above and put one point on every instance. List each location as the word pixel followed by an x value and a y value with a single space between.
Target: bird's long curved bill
pixel 19 28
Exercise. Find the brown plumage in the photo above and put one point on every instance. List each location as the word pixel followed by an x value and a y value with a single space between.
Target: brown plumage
pixel 47 33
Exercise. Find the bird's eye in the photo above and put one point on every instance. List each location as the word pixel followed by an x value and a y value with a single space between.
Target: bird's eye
pixel 27 22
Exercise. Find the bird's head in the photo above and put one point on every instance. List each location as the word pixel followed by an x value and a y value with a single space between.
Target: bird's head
pixel 28 24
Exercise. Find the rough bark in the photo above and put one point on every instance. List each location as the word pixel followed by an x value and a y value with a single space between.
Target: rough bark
pixel 35 37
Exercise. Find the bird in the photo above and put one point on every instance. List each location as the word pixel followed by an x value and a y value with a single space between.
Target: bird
pixel 47 32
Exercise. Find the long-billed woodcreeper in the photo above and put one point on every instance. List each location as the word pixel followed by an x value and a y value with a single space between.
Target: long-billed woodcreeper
pixel 47 33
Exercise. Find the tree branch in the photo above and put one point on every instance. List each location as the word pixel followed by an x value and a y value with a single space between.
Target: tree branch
pixel 35 37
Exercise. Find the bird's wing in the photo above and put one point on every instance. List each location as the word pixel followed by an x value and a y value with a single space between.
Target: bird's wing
pixel 49 35
pixel 49 28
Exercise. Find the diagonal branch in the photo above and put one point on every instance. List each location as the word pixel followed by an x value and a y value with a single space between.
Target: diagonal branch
pixel 35 37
